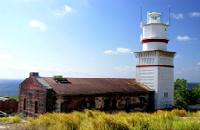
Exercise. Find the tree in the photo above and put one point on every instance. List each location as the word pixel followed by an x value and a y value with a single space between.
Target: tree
pixel 184 96
pixel 181 93
pixel 195 94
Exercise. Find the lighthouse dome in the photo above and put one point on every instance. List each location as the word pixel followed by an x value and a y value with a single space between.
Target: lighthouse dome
pixel 153 17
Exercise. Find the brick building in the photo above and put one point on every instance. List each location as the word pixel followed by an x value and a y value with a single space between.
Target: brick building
pixel 8 105
pixel 57 94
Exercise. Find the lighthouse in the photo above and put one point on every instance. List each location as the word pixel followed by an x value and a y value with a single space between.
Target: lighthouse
pixel 154 64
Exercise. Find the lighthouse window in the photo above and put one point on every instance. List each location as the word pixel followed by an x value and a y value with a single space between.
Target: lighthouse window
pixel 165 94
pixel 154 18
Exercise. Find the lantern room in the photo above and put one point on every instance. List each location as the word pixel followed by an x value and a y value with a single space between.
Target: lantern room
pixel 154 33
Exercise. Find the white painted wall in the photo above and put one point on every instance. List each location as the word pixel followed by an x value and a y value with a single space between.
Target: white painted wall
pixel 154 46
pixel 165 85
pixel 155 31
pixel 162 60
pixel 147 76
pixel 160 79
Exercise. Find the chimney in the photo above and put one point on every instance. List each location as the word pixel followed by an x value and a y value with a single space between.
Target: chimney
pixel 34 74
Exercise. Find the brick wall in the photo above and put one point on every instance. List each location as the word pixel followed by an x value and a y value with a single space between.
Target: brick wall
pixel 9 106
pixel 32 98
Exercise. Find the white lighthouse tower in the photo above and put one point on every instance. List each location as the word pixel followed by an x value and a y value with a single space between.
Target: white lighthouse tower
pixel 154 64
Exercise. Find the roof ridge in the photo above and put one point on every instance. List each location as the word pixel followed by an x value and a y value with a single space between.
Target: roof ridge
pixel 92 78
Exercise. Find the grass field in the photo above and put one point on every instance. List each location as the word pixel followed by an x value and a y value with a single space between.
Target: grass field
pixel 95 120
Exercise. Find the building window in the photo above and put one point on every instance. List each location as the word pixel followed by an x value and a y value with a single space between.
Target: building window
pixel 24 103
pixel 165 95
pixel 36 107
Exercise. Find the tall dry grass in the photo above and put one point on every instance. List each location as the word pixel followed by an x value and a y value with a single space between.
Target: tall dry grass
pixel 11 119
pixel 96 120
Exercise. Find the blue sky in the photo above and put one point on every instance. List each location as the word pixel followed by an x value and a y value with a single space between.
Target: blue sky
pixel 91 38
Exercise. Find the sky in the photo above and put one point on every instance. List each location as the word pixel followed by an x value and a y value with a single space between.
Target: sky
pixel 91 38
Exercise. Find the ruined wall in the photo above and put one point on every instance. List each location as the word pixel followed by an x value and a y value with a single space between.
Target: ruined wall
pixel 103 102
pixel 32 99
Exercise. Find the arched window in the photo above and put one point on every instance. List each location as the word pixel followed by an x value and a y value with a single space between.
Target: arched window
pixel 36 107
pixel 24 104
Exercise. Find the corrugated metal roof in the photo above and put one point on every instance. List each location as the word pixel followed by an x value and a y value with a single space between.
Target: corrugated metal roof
pixel 89 86
pixel 43 83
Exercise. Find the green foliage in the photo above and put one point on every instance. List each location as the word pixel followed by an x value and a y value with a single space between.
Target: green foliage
pixel 58 77
pixel 195 94
pixel 14 97
pixel 181 93
pixel 183 96
pixel 96 120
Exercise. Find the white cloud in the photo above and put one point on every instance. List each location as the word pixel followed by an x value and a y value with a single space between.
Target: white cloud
pixel 124 50
pixel 38 24
pixel 195 14
pixel 109 52
pixel 177 16
pixel 184 38
pixel 118 51
pixel 66 10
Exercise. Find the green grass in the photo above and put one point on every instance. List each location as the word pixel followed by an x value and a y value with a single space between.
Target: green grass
pixel 95 120
pixel 14 97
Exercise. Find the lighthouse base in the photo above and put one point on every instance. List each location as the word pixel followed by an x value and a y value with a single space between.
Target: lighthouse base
pixel 155 69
